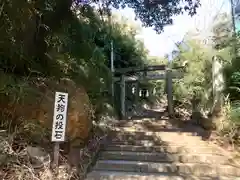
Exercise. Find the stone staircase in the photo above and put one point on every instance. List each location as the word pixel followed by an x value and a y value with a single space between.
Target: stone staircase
pixel 138 152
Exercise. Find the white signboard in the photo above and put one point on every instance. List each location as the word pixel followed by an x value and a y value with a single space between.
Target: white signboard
pixel 59 117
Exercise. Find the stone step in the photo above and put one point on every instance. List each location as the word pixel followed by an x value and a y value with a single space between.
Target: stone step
pixel 160 134
pixel 143 135
pixel 163 157
pixel 133 136
pixel 138 133
pixel 155 142
pixel 130 129
pixel 164 149
pixel 176 168
pixel 111 175
pixel 141 148
pixel 133 121
pixel 138 142
pixel 115 175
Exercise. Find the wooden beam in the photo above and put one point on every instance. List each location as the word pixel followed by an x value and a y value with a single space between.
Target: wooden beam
pixel 175 75
pixel 140 69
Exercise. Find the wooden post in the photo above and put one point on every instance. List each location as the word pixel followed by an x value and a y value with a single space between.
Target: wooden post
pixel 123 89
pixel 56 156
pixel 169 92
pixel 137 92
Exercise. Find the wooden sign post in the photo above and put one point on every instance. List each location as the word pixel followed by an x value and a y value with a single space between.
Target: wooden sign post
pixel 59 123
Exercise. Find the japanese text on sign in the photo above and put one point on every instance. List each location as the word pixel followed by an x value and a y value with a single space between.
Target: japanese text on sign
pixel 59 117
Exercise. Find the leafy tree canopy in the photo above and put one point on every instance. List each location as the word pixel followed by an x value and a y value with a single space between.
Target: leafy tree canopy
pixel 152 13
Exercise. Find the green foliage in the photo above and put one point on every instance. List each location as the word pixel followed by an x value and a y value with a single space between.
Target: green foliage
pixel 228 48
pixel 68 39
pixel 197 73
pixel 222 29
pixel 235 113
pixel 233 85
pixel 228 45
pixel 197 79
pixel 37 40
pixel 152 60
pixel 229 127
pixel 154 13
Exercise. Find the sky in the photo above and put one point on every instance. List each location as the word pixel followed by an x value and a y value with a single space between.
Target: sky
pixel 160 45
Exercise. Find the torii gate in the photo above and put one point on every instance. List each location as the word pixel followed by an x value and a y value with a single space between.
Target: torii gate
pixel 168 76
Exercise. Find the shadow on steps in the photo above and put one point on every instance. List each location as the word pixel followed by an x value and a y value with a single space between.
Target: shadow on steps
pixel 143 155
